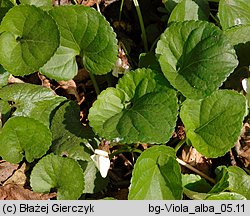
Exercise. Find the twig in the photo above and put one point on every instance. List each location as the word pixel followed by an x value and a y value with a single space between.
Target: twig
pixel 195 170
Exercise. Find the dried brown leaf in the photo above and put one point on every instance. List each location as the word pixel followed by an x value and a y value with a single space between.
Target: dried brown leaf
pixel 13 79
pixel 191 156
pixel 16 192
pixel 82 76
pixel 88 3
pixel 181 132
pixel 108 2
pixel 61 2
pixel 45 81
pixel 242 146
pixel 70 88
pixel 6 170
pixel 19 177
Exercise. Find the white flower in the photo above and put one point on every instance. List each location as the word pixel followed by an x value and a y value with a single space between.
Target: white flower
pixel 102 162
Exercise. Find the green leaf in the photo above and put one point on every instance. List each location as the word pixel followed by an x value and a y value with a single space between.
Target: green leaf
pixel 190 10
pixel 156 175
pixel 213 124
pixel 238 34
pixel 239 181
pixel 195 187
pixel 140 109
pixel 4 76
pixel 62 65
pixel 240 38
pixel 196 57
pixel 5 5
pixel 233 179
pixel 149 60
pixel 29 38
pixel 109 198
pixel 195 183
pixel 226 196
pixel 23 134
pixel 55 172
pixel 222 180
pixel 234 12
pixel 44 4
pixel 31 100
pixel 94 183
pixel 194 195
pixel 70 137
pixel 84 32
pixel 153 31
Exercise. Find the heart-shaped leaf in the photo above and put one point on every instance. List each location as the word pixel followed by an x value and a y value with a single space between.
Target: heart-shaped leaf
pixel 28 38
pixel 156 175
pixel 234 12
pixel 196 57
pixel 213 124
pixel 31 100
pixel 86 33
pixel 23 134
pixel 190 10
pixel 140 109
pixel 55 172
pixel 69 135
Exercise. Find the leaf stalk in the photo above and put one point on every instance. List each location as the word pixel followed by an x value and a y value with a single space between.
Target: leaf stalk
pixel 178 146
pixel 144 36
pixel 97 89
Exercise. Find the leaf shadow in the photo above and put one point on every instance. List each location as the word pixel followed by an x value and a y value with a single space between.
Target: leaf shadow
pixel 66 127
